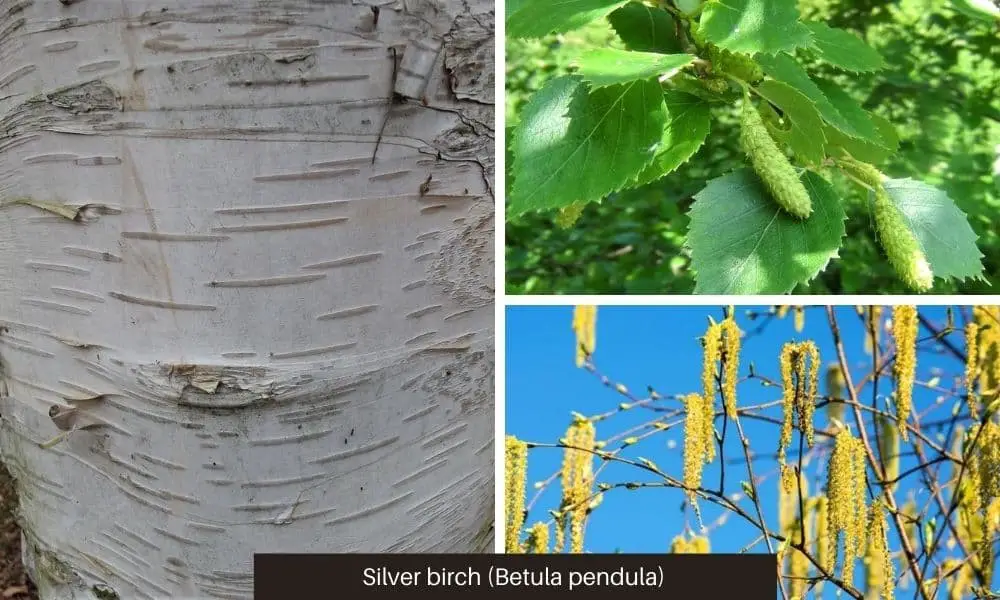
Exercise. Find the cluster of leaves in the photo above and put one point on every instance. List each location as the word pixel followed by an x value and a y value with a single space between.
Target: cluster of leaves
pixel 636 111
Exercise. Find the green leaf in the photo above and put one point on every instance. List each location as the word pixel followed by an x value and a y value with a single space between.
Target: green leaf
pixel 985 10
pixel 751 26
pixel 941 228
pixel 573 146
pixel 688 123
pixel 844 49
pixel 886 132
pixel 784 68
pixel 805 137
pixel 850 109
pixel 609 66
pixel 645 29
pixel 536 18
pixel 742 243
pixel 860 149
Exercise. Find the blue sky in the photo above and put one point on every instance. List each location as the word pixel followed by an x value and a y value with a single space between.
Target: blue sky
pixel 659 347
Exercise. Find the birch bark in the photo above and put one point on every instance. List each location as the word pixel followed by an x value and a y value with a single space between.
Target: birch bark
pixel 249 334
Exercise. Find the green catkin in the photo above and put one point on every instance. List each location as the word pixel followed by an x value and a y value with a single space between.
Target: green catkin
pixel 568 215
pixel 900 245
pixel 738 65
pixel 772 165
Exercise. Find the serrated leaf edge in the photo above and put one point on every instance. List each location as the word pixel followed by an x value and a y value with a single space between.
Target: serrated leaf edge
pixel 622 186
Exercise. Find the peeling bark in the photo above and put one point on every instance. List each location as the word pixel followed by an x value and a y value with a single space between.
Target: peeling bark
pixel 224 327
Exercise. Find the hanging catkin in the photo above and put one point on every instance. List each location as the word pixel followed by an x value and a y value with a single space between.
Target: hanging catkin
pixel 772 165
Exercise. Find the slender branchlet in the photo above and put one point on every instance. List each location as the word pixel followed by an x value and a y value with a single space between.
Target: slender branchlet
pixel 585 328
pixel 515 477
pixel 904 331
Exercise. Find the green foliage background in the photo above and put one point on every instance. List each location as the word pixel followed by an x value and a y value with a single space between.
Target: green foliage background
pixel 941 89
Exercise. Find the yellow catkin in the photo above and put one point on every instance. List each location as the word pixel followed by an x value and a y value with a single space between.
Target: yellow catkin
pixel 515 477
pixel 578 478
pixel 560 539
pixel 971 366
pixel 904 331
pixel 788 505
pixel 879 572
pixel 987 318
pixel 873 320
pixel 730 368
pixel 696 544
pixel 960 583
pixel 888 443
pixel 538 539
pixel 987 460
pixel 846 512
pixel 788 409
pixel 836 388
pixel 798 565
pixel 800 318
pixel 792 525
pixel 799 378
pixel 585 326
pixel 807 405
pixel 823 545
pixel 695 443
pixel 782 311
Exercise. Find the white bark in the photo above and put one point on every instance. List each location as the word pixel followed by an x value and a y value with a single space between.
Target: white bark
pixel 257 339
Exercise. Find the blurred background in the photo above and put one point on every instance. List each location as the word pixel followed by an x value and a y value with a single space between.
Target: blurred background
pixel 940 90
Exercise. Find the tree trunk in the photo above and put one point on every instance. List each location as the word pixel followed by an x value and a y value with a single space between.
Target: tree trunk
pixel 246 291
